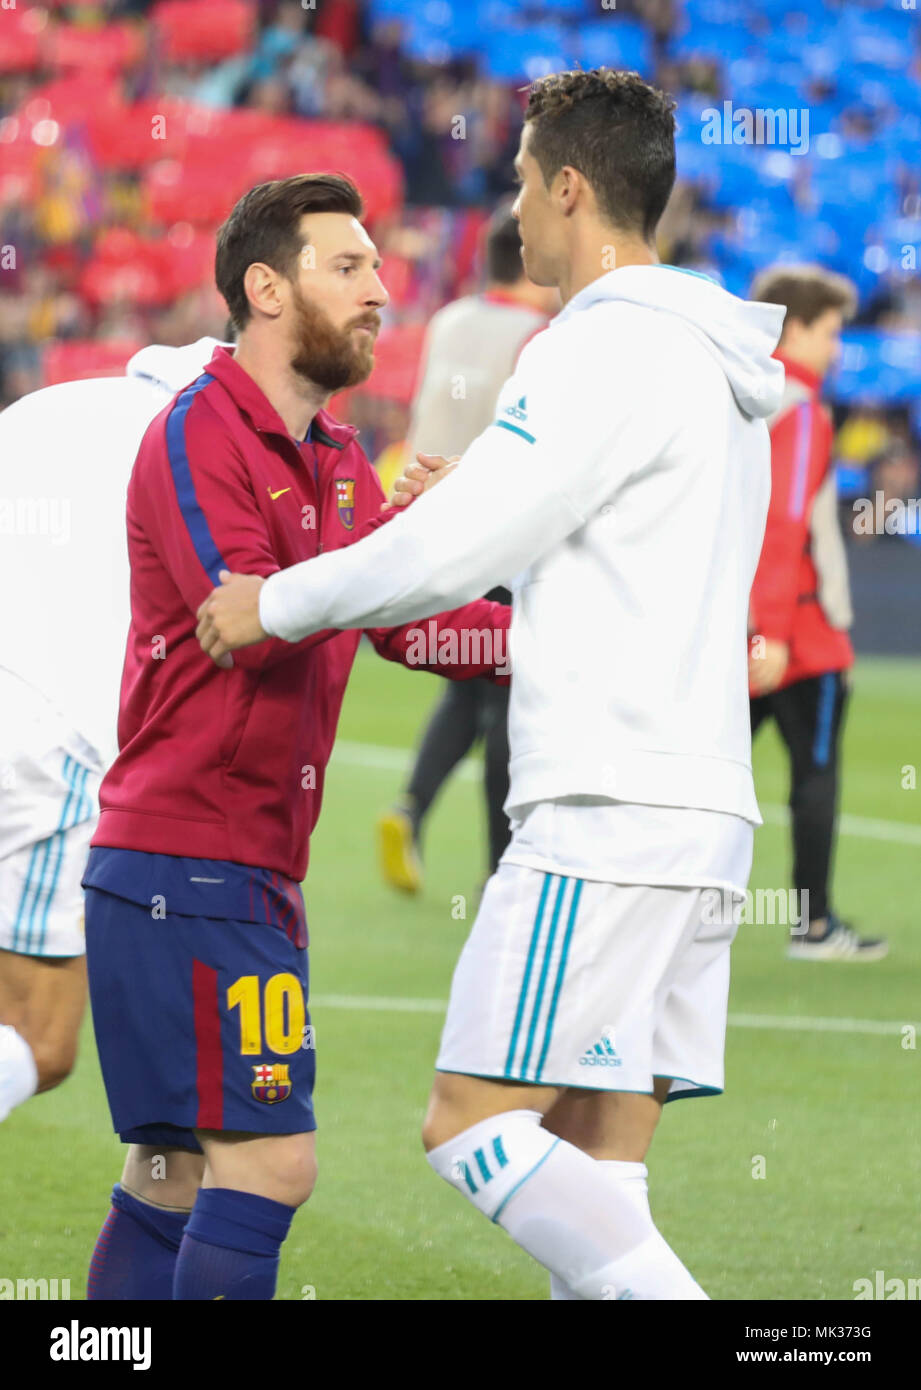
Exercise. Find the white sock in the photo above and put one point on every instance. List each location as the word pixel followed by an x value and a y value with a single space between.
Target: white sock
pixel 633 1181
pixel 18 1072
pixel 561 1206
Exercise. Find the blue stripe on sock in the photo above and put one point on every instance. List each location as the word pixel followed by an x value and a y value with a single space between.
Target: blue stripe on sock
pixel 482 1164
pixel 521 1182
pixel 535 934
pixel 558 985
pixel 545 967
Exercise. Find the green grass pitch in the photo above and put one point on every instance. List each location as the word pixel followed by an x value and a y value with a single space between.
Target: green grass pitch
pixel 832 1113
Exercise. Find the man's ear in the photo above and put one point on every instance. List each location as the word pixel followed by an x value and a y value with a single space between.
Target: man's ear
pixel 261 284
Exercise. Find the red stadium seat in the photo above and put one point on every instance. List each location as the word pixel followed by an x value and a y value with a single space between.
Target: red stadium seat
pixel 71 99
pixel 73 48
pixel 196 193
pixel 192 30
pixel 82 358
pixel 188 258
pixel 20 41
pixel 226 153
pixel 126 267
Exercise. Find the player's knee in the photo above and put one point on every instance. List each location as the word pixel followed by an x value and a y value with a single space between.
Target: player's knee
pixel 440 1126
pixel 289 1168
pixel 54 1060
pixel 295 1180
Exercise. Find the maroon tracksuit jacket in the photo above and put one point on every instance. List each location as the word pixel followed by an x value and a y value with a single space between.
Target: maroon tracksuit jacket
pixel 229 764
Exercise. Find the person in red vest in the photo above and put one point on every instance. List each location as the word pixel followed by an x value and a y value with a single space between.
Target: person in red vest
pixel 800 651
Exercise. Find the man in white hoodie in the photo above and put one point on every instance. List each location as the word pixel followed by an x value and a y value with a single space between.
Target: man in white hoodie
pixel 65 458
pixel 622 491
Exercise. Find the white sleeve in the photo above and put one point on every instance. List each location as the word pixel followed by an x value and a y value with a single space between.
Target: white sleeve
pixel 568 431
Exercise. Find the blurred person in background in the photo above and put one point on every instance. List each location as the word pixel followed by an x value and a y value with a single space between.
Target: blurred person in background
pixel 800 614
pixel 894 491
pixel 471 349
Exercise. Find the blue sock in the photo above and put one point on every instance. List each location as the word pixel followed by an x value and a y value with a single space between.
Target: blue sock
pixel 135 1255
pixel 231 1246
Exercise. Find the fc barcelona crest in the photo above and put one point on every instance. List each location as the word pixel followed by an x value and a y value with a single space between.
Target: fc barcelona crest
pixel 271 1082
pixel 345 501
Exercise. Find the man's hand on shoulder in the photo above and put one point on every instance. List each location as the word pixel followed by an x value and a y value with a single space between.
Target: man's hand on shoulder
pixel 229 617
pixel 420 476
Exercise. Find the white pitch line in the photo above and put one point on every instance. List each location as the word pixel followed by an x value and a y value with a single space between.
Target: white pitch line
pixel 377 1003
pixel 374 756
pixel 794 1024
pixel 860 827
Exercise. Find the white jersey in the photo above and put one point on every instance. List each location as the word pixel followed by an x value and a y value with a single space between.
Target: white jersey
pixel 66 454
pixel 623 489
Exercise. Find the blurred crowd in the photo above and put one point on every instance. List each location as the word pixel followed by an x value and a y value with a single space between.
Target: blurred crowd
pixel 451 119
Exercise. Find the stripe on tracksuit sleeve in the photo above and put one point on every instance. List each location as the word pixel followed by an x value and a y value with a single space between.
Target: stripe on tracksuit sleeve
pixel 194 517
pixel 802 451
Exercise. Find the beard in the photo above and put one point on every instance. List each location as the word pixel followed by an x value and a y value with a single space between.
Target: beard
pixel 328 356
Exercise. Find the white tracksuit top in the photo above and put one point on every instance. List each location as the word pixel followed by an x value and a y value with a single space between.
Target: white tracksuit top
pixel 621 492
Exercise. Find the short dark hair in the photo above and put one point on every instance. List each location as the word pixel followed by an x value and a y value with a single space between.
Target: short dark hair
pixel 264 226
pixel 806 291
pixel 617 130
pixel 503 247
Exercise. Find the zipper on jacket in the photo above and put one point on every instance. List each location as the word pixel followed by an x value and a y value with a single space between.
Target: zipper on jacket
pixel 316 488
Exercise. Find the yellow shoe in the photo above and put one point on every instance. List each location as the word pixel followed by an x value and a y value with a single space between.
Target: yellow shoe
pixel 397 854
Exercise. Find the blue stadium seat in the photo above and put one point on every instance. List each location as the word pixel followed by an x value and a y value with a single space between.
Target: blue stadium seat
pixel 722 42
pixel 615 42
pixel 527 52
pixel 878 367
pixel 851 481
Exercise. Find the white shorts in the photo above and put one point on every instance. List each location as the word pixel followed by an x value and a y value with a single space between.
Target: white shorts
pixel 602 986
pixel 49 804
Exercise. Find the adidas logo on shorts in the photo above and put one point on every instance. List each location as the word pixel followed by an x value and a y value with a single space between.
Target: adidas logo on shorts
pixel 602 1054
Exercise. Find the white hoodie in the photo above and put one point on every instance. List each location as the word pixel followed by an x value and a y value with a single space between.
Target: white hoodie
pixel 622 490
pixel 66 453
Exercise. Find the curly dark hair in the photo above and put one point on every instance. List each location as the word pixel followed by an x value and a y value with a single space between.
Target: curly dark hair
pixel 617 130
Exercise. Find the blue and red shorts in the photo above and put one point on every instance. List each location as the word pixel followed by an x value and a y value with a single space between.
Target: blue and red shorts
pixel 199 985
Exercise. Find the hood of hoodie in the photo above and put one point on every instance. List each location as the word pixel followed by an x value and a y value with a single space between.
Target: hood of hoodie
pixel 172 368
pixel 740 334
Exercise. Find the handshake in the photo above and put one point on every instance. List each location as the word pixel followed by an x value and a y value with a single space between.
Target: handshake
pixel 229 616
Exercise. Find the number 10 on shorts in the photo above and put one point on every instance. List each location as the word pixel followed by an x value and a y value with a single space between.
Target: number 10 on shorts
pixel 280 1015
